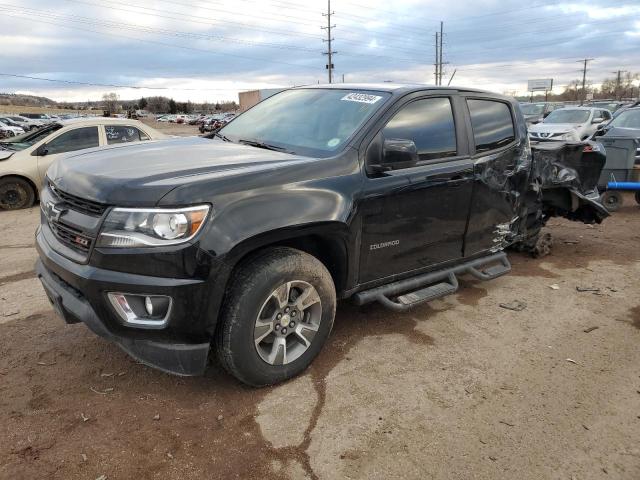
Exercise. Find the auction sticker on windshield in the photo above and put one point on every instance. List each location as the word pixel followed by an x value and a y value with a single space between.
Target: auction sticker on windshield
pixel 360 98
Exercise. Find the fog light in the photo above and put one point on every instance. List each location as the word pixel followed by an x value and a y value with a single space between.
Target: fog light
pixel 146 311
pixel 148 305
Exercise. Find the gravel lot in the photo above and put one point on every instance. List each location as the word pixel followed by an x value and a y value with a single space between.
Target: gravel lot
pixel 458 389
pixel 172 128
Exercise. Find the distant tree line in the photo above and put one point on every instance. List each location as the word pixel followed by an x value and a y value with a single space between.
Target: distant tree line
pixel 164 105
pixel 112 103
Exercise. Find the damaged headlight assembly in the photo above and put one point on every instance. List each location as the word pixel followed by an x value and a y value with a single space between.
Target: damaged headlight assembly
pixel 150 227
pixel 572 135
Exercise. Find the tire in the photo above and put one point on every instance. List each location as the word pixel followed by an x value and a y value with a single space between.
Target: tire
pixel 638 197
pixel 16 193
pixel 612 199
pixel 249 339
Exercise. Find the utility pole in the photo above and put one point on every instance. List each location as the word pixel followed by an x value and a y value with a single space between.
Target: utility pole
pixel 440 58
pixel 584 79
pixel 619 83
pixel 330 53
pixel 453 75
pixel 437 63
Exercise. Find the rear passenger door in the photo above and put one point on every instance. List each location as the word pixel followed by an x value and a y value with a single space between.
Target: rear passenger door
pixel 501 168
pixel 414 218
pixel 116 134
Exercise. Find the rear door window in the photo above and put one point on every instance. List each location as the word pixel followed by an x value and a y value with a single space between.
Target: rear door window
pixel 492 124
pixel 123 134
pixel 78 139
pixel 429 123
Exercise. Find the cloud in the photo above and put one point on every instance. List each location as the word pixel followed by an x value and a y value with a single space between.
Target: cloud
pixel 208 50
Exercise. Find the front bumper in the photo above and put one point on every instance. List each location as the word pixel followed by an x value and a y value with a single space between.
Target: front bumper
pixel 78 294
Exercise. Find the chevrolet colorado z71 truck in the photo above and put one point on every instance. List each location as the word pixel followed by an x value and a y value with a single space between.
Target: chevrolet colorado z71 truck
pixel 240 245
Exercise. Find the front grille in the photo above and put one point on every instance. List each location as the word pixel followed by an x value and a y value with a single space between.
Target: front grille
pixel 71 237
pixel 79 204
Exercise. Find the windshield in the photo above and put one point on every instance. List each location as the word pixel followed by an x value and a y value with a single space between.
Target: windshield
pixel 567 115
pixel 627 119
pixel 314 122
pixel 531 109
pixel 612 107
pixel 25 140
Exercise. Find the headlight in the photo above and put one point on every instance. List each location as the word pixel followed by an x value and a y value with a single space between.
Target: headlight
pixel 140 227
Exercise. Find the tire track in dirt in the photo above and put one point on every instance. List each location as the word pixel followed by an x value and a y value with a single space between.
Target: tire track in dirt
pixel 16 277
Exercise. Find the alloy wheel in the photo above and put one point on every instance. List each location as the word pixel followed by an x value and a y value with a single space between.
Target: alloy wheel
pixel 287 322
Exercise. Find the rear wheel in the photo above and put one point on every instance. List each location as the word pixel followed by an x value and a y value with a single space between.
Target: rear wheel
pixel 16 193
pixel 277 316
pixel 612 199
pixel 638 197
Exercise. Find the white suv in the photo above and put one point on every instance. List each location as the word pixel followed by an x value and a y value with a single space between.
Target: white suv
pixel 569 124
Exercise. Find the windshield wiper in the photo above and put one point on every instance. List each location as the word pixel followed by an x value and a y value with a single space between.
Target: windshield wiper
pixel 266 146
pixel 223 137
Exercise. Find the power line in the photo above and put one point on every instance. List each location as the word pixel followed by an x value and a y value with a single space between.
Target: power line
pixel 107 4
pixel 158 13
pixel 112 85
pixel 155 42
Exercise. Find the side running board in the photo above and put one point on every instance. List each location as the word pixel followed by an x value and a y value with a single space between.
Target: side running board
pixel 408 293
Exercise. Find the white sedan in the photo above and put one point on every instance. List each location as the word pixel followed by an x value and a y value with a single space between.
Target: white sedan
pixel 571 124
pixel 24 160
pixel 7 130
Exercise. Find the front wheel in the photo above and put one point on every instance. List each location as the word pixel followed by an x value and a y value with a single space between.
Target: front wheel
pixel 15 193
pixel 612 199
pixel 276 318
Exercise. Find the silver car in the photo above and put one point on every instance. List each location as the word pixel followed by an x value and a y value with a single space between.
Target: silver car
pixel 571 124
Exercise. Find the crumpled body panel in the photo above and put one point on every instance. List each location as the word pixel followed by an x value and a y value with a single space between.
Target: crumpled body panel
pixel 562 183
pixel 567 175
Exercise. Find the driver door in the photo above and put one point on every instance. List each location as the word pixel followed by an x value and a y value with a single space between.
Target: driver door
pixel 415 218
pixel 69 141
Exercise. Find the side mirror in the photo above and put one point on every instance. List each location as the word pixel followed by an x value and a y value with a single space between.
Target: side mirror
pixel 546 114
pixel 597 120
pixel 600 127
pixel 398 153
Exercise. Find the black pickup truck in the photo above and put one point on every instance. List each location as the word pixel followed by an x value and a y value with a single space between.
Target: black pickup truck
pixel 240 244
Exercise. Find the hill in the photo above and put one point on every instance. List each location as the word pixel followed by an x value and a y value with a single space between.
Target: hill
pixel 26 100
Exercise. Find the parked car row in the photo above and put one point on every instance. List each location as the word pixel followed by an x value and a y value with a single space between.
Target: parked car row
pixel 215 122
pixel 195 119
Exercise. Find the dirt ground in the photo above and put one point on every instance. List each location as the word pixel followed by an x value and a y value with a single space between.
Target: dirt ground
pixel 172 128
pixel 458 389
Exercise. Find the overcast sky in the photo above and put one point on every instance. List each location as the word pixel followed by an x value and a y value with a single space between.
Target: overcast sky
pixel 208 50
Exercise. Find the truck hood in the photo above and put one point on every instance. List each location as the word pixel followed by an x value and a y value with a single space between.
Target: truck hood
pixel 5 153
pixel 141 174
pixel 555 127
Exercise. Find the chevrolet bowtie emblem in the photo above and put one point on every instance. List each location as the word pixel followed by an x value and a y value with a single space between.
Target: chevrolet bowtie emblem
pixel 54 212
